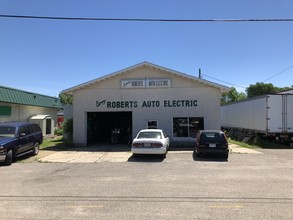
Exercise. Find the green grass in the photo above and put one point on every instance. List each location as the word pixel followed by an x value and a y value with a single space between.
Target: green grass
pixel 55 143
pixel 265 144
pixel 242 144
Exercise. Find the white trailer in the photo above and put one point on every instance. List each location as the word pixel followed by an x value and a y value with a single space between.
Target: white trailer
pixel 269 114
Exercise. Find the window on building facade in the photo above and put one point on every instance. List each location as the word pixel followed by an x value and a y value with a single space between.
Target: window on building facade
pixel 5 110
pixel 152 124
pixel 187 126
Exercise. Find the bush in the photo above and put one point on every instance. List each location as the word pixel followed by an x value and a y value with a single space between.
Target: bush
pixel 58 131
pixel 68 127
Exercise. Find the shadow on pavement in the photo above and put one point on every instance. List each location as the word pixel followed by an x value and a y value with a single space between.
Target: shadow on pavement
pixel 146 158
pixel 209 158
pixel 92 148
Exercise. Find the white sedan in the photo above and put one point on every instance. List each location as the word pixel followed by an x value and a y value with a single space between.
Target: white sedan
pixel 150 141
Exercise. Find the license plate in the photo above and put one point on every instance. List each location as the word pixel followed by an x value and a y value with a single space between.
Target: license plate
pixel 147 144
pixel 212 145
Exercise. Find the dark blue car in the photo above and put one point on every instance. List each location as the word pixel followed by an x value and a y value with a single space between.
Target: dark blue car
pixel 211 142
pixel 17 139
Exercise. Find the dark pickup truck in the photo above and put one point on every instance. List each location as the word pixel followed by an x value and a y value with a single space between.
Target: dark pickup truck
pixel 17 139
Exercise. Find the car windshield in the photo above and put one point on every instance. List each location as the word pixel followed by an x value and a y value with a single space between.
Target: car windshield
pixel 211 137
pixel 148 134
pixel 7 131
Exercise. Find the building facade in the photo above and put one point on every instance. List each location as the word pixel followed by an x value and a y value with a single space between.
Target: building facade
pixel 23 106
pixel 115 107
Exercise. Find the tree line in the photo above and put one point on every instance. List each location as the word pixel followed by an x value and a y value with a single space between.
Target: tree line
pixel 253 90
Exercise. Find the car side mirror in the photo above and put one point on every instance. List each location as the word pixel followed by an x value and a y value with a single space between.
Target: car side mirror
pixel 22 134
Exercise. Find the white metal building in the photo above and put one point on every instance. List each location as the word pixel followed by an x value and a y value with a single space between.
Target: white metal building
pixel 46 123
pixel 144 96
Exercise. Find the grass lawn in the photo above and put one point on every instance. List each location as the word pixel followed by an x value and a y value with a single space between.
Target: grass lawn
pixel 55 143
pixel 242 144
pixel 262 144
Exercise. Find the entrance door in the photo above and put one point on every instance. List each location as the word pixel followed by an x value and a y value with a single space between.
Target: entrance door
pixel 109 127
pixel 48 126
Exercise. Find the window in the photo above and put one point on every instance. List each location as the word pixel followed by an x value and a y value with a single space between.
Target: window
pixel 152 124
pixel 29 129
pixel 7 131
pixel 153 135
pixel 22 131
pixel 5 110
pixel 187 126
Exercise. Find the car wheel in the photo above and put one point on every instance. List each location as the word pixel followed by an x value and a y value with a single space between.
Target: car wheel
pixel 225 156
pixel 9 157
pixel 36 149
pixel 196 154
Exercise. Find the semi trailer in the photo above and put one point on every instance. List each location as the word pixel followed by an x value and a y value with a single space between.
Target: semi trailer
pixel 268 115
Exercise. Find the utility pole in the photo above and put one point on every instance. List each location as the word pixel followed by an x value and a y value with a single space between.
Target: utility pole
pixel 199 73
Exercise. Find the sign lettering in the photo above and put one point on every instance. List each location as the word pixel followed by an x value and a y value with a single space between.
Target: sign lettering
pixel 145 83
pixel 147 104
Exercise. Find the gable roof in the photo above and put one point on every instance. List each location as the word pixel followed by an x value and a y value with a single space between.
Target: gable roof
pixel 222 88
pixel 16 96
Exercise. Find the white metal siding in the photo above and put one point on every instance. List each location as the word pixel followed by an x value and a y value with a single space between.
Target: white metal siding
pixel 249 114
pixel 275 113
pixel 290 113
pixel 271 113
pixel 208 100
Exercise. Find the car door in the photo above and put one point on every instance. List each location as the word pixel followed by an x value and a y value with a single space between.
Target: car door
pixel 167 141
pixel 25 139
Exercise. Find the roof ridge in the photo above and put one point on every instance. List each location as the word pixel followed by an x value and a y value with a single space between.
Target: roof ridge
pixel 16 96
pixel 26 91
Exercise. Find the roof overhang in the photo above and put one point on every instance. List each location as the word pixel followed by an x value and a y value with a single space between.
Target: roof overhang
pixel 40 117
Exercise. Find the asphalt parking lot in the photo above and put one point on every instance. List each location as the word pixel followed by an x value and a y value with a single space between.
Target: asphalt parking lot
pixel 250 185
pixel 97 154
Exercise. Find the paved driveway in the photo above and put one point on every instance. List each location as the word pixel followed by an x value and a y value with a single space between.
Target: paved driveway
pixel 98 154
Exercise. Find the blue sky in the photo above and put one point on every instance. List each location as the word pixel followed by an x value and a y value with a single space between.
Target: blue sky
pixel 48 56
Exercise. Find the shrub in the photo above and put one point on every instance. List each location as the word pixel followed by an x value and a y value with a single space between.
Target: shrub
pixel 68 127
pixel 58 131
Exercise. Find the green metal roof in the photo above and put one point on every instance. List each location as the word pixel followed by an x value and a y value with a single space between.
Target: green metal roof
pixel 15 96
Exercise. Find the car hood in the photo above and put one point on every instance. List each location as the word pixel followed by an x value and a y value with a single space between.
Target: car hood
pixel 4 140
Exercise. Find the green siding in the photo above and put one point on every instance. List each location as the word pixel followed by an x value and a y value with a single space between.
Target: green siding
pixel 10 95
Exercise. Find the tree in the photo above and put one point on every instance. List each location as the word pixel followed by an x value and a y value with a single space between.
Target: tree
pixel 232 96
pixel 261 89
pixel 65 99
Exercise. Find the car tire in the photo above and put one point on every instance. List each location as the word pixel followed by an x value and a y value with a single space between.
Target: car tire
pixel 196 154
pixel 36 149
pixel 225 156
pixel 9 158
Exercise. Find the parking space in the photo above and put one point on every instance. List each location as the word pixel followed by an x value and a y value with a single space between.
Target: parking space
pixel 114 154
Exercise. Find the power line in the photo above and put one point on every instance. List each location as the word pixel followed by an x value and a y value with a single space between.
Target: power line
pixel 224 81
pixel 277 74
pixel 146 19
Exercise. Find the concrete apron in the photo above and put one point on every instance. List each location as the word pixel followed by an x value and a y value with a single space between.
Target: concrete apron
pixel 104 154
pixel 242 150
